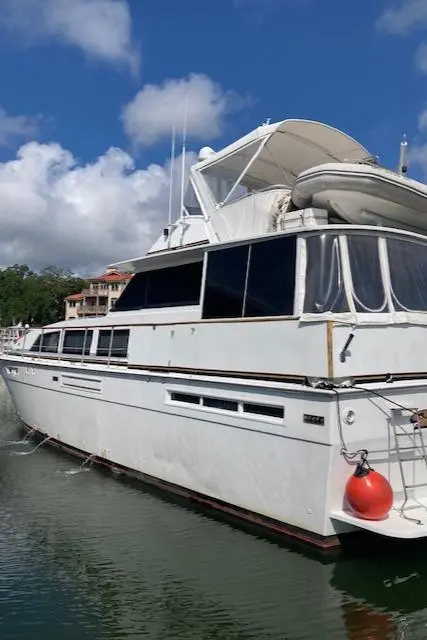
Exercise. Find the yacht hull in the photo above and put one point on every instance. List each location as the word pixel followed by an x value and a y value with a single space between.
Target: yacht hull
pixel 364 194
pixel 268 474
pixel 243 468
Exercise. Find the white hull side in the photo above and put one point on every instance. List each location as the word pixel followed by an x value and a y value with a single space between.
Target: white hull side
pixel 255 465
pixel 362 194
pixel 289 473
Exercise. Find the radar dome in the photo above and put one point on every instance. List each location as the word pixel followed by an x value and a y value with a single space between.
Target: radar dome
pixel 205 153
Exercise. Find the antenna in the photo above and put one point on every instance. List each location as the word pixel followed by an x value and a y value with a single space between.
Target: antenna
pixel 402 168
pixel 171 174
pixel 184 141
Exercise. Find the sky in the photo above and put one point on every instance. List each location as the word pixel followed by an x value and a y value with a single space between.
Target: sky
pixel 90 91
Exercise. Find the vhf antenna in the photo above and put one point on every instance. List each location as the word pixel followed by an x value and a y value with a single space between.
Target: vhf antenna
pixel 403 167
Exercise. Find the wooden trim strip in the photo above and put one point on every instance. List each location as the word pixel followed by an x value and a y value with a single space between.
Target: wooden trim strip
pixel 330 347
pixel 278 377
pixel 385 377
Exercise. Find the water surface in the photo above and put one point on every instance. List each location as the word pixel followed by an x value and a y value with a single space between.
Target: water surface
pixel 86 555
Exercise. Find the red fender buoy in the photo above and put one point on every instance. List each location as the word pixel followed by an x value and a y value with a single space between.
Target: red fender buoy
pixel 368 494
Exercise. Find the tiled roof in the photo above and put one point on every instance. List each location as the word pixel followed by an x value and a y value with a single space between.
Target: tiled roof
pixel 112 276
pixel 75 296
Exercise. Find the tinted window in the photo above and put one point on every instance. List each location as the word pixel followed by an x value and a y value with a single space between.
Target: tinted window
pixel 118 339
pixel 271 278
pixel 368 290
pixel 175 286
pixel 324 286
pixel 171 287
pixel 225 283
pixel 408 274
pixel 185 397
pixel 220 403
pixel 73 342
pixel 49 342
pixel 134 294
pixel 264 410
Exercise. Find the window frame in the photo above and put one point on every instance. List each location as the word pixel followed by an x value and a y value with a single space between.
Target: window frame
pixel 383 250
pixel 145 274
pixel 112 331
pixel 249 244
pixel 39 342
pixel 86 346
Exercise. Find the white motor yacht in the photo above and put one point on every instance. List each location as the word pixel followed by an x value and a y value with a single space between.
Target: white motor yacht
pixel 262 348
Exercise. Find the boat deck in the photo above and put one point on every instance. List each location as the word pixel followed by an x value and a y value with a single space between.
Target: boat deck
pixel 395 525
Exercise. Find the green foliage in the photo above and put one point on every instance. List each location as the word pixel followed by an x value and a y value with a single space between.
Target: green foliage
pixel 35 298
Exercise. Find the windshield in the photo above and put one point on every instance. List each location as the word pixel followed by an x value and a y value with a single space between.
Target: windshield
pixel 385 280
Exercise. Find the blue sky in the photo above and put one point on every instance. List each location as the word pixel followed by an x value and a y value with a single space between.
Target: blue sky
pixel 82 76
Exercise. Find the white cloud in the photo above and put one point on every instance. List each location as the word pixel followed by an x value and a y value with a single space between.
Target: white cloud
pixel 411 14
pixel 421 57
pixel 422 120
pixel 417 156
pixel 402 20
pixel 154 110
pixel 100 28
pixel 55 211
pixel 12 127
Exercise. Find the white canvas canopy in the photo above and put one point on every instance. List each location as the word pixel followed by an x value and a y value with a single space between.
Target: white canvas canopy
pixel 278 153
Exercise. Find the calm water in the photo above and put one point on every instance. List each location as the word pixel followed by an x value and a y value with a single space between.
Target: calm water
pixel 85 555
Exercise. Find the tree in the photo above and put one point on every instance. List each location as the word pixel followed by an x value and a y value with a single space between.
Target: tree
pixel 35 298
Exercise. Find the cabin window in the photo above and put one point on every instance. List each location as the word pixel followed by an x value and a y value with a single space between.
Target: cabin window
pixel 408 274
pixel 46 343
pixel 225 282
pixel 271 278
pixel 170 287
pixel 368 290
pixel 251 280
pixel 74 341
pixel 191 202
pixel 118 340
pixel 324 286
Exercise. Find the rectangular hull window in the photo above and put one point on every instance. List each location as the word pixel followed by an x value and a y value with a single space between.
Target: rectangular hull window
pixel 225 283
pixel 170 287
pixel 264 410
pixel 220 403
pixel 187 398
pixel 271 278
pixel 74 341
pixel 118 339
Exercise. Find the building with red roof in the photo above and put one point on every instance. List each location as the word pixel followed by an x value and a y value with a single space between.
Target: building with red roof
pixel 102 293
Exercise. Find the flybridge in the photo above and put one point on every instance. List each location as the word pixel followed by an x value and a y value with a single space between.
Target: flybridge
pixel 292 174
pixel 244 190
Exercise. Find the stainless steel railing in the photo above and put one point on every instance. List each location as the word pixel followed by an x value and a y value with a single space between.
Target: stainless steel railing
pixel 10 336
pixel 22 344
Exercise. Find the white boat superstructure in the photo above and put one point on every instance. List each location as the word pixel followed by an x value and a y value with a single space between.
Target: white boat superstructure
pixel 258 351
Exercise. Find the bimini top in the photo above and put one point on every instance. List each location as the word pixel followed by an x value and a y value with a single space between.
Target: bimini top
pixel 283 150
